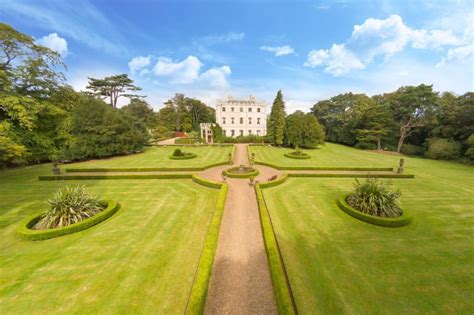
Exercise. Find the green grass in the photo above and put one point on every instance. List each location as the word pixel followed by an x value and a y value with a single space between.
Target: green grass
pixel 159 157
pixel 338 264
pixel 141 260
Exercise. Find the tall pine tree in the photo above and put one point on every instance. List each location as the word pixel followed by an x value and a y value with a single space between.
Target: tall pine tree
pixel 276 128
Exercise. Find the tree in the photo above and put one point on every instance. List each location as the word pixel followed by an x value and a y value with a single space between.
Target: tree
pixel 303 130
pixel 412 109
pixel 276 128
pixel 141 111
pixel 113 88
pixel 377 124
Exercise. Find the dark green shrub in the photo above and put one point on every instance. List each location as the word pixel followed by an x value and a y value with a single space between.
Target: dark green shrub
pixel 178 152
pixel 470 150
pixel 375 198
pixel 69 206
pixel 443 149
pixel 410 149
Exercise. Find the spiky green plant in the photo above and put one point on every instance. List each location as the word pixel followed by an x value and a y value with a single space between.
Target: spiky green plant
pixel 375 198
pixel 68 206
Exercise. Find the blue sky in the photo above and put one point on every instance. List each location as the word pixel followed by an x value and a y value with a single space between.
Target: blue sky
pixel 311 50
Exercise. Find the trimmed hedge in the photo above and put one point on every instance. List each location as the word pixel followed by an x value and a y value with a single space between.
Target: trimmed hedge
pixel 281 284
pixel 202 278
pixel 185 141
pixel 324 168
pixel 132 169
pixel 275 182
pixel 254 173
pixel 25 231
pixel 206 182
pixel 186 156
pixel 124 176
pixel 403 176
pixel 402 220
pixel 298 157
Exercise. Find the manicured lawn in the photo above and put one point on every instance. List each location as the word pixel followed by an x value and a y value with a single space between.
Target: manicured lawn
pixel 329 155
pixel 159 157
pixel 337 264
pixel 140 261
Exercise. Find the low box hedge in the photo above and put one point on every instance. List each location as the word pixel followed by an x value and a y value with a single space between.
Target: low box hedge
pixel 281 284
pixel 254 173
pixel 324 168
pixel 297 157
pixel 202 278
pixel 275 182
pixel 132 169
pixel 25 231
pixel 185 141
pixel 185 156
pixel 206 182
pixel 402 220
pixel 401 176
pixel 120 176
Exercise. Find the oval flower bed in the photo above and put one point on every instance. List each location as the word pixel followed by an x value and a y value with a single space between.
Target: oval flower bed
pixel 26 231
pixel 240 172
pixel 402 220
pixel 185 156
pixel 297 155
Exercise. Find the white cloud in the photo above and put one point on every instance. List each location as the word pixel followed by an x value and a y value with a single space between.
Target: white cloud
pixel 279 50
pixel 54 42
pixel 185 71
pixel 220 38
pixel 139 63
pixel 382 38
pixel 337 60
pixel 216 77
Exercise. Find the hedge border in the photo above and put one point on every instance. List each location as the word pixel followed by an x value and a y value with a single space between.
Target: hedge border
pixel 402 220
pixel 298 157
pixel 25 231
pixel 323 168
pixel 281 283
pixel 197 297
pixel 120 176
pixel 401 176
pixel 186 156
pixel 254 173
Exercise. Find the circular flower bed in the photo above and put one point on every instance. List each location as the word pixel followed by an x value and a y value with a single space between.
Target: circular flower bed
pixel 180 155
pixel 401 220
pixel 26 229
pixel 297 155
pixel 240 172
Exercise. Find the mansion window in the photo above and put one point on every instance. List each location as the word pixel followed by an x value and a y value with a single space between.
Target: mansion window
pixel 241 120
pixel 250 132
pixel 258 121
pixel 223 120
pixel 258 132
pixel 223 109
pixel 241 132
pixel 258 110
pixel 231 109
pixel 250 120
pixel 241 109
pixel 250 109
pixel 232 120
pixel 232 133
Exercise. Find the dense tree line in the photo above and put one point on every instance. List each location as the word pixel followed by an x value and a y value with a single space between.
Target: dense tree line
pixel 295 130
pixel 414 120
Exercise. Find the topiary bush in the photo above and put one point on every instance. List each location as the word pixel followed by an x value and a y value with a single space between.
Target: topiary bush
pixel 443 149
pixel 375 198
pixel 177 152
pixel 68 206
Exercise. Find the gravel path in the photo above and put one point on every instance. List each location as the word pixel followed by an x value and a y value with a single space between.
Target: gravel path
pixel 240 281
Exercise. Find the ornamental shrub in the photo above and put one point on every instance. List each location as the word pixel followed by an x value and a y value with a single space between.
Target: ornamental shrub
pixel 69 206
pixel 375 198
pixel 178 152
pixel 443 149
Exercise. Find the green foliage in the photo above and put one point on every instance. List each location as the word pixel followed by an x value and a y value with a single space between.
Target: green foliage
pixel 303 130
pixel 443 149
pixel 68 206
pixel 185 141
pixel 470 150
pixel 276 124
pixel 375 198
pixel 113 88
pixel 177 152
pixel 117 176
pixel 411 149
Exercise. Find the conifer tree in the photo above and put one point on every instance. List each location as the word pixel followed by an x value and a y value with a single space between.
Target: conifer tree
pixel 276 128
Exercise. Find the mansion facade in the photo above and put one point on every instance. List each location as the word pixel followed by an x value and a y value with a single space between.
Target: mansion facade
pixel 242 117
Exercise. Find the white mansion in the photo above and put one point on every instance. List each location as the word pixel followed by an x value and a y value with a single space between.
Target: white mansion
pixel 242 117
